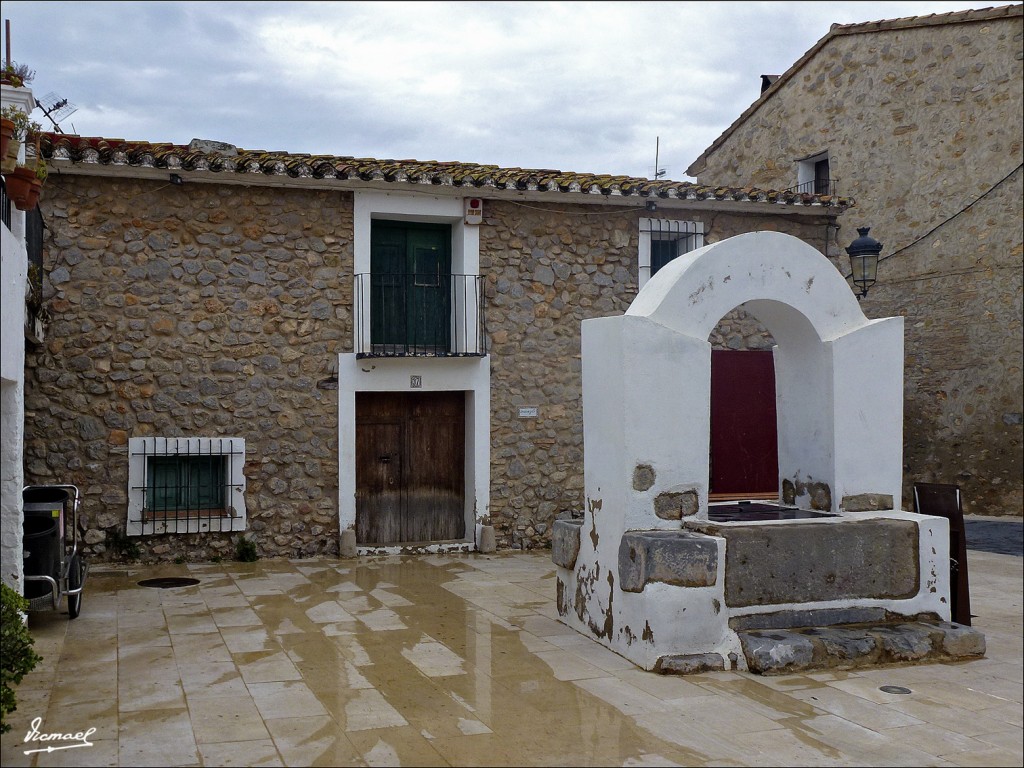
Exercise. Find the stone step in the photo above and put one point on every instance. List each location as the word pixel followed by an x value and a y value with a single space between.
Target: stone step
pixel 843 646
pixel 784 651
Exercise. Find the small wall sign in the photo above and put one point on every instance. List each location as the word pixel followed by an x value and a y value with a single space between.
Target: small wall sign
pixel 528 412
pixel 415 382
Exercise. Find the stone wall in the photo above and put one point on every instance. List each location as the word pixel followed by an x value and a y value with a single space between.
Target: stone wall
pixel 546 272
pixel 923 127
pixel 199 311
pixel 211 310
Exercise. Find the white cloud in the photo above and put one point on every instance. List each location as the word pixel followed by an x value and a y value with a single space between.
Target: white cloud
pixel 584 86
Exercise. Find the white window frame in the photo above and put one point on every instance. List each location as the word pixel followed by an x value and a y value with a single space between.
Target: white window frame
pixel 650 227
pixel 805 169
pixel 140 449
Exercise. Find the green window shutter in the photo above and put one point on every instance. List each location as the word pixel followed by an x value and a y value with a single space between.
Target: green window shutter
pixel 184 483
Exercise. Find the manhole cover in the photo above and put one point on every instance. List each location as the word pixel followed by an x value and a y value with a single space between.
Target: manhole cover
pixel 168 582
pixel 894 689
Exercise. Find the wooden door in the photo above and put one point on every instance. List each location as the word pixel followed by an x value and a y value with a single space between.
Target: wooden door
pixel 410 467
pixel 744 429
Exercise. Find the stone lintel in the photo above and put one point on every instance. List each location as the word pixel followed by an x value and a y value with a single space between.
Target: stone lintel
pixel 867 502
pixel 822 617
pixel 680 558
pixel 565 542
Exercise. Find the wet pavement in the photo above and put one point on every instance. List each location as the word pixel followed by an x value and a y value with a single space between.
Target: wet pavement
pixel 992 534
pixel 459 660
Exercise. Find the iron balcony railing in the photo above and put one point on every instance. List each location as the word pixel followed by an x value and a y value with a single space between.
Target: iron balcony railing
pixel 815 187
pixel 418 314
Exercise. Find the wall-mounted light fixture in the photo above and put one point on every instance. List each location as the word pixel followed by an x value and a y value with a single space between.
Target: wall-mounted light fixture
pixel 177 180
pixel 863 253
pixel 650 205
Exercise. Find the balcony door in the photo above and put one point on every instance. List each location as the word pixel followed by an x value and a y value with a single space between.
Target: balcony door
pixel 410 268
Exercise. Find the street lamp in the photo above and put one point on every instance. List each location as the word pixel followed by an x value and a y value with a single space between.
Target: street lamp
pixel 863 253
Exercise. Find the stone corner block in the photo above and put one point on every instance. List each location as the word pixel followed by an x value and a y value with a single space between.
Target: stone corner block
pixel 689 664
pixel 348 543
pixel 488 543
pixel 565 542
pixel 679 558
pixel 959 640
pixel 775 653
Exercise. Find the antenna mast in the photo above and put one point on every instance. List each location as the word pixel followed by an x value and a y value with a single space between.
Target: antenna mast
pixel 658 172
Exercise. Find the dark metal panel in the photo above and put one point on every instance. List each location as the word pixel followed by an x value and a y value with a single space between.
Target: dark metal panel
pixel 943 500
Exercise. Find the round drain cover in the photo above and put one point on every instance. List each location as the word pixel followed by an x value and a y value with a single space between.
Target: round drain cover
pixel 894 689
pixel 167 582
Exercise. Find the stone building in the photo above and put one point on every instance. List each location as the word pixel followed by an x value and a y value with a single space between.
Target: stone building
pixel 919 120
pixel 288 347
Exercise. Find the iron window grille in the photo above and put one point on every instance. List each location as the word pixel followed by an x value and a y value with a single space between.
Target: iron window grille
pixel 662 240
pixel 186 485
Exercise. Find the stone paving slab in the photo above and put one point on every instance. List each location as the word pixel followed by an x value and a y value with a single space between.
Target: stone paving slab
pixel 459 660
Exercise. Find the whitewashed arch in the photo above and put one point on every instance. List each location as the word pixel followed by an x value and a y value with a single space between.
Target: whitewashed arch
pixel 646 378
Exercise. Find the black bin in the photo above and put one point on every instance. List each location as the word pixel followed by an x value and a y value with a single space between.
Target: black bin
pixel 41 536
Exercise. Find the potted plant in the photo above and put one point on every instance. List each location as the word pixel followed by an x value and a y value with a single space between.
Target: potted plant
pixel 23 187
pixel 16 74
pixel 20 125
pixel 25 182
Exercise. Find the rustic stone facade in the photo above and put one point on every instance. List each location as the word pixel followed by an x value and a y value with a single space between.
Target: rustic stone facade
pixel 546 272
pixel 211 309
pixel 922 123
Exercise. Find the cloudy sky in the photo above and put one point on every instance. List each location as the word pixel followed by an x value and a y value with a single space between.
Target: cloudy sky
pixel 580 86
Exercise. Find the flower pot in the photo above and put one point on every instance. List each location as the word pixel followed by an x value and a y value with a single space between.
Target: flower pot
pixel 23 188
pixel 6 134
pixel 10 159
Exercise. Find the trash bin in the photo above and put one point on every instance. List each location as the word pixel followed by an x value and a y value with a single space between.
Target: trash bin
pixel 42 543
pixel 42 552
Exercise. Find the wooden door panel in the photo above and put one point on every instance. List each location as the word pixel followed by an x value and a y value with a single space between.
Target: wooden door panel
pixel 379 471
pixel 435 480
pixel 744 431
pixel 410 467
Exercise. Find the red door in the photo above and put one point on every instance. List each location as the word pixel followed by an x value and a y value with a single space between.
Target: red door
pixel 744 436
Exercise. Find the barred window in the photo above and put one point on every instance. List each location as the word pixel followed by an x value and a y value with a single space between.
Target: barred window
pixel 662 240
pixel 186 485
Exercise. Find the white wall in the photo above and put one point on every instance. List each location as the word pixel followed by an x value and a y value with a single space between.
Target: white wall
pixel 13 286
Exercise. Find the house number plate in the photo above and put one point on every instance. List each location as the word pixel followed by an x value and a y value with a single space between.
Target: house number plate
pixel 415 382
pixel 528 412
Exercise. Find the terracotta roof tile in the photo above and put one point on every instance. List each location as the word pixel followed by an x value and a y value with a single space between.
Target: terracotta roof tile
pixel 194 158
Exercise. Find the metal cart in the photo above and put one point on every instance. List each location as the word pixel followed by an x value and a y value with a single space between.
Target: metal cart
pixel 54 568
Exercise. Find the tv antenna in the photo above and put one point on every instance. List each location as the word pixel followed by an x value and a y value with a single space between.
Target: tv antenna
pixel 658 171
pixel 56 108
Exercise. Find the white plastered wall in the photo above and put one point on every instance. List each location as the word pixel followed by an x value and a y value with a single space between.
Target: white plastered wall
pixel 13 285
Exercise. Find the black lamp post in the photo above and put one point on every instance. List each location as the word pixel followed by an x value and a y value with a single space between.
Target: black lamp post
pixel 863 253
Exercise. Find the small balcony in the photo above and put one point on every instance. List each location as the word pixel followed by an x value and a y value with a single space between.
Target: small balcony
pixel 418 315
pixel 815 187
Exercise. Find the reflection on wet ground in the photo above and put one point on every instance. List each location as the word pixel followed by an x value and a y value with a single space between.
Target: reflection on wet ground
pixel 460 660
